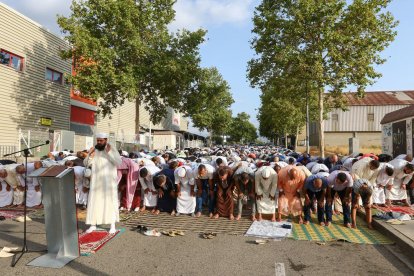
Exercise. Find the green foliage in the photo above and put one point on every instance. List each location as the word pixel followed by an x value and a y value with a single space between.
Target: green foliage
pixel 123 50
pixel 329 45
pixel 210 103
pixel 242 130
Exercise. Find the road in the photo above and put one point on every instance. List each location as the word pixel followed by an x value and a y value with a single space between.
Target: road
pixel 135 254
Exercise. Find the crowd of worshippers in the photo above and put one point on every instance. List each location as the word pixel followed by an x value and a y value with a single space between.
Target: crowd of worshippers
pixel 260 180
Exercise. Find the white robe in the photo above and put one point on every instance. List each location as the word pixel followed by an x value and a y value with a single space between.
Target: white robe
pixel 186 203
pixel 266 188
pixel 103 193
pixel 383 180
pixel 81 197
pixel 34 198
pixel 400 178
pixel 150 200
pixel 6 197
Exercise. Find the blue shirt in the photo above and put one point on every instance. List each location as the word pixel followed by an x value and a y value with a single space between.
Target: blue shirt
pixel 309 183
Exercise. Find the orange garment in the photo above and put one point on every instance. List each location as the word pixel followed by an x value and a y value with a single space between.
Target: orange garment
pixel 290 202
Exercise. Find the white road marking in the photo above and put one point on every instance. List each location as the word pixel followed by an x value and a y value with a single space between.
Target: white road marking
pixel 280 269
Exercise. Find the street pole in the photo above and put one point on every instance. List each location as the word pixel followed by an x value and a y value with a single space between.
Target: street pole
pixel 150 142
pixel 307 119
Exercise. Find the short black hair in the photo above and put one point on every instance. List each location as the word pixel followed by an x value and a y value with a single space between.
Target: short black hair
pixel 143 172
pixel 374 163
pixel 219 161
pixel 389 171
pixel 342 177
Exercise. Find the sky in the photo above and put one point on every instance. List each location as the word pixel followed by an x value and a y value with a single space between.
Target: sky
pixel 229 25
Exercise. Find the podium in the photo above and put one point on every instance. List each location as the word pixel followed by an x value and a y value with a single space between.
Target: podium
pixel 61 225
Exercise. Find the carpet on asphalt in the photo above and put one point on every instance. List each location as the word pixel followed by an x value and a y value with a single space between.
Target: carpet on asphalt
pixel 13 213
pixel 400 209
pixel 164 221
pixel 92 242
pixel 337 232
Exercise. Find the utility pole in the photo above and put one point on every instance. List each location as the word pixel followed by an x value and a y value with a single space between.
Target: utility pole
pixel 307 119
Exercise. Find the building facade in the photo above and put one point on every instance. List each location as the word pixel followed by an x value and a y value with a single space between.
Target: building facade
pixel 398 132
pixel 38 105
pixel 361 120
pixel 33 92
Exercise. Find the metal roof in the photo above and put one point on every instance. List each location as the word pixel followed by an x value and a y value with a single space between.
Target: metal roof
pixel 399 114
pixel 381 98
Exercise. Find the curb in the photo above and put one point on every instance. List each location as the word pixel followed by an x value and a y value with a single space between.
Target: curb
pixel 406 244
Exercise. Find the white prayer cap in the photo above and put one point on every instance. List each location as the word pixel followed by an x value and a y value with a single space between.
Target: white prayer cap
pixel 181 172
pixel 101 136
pixel 266 172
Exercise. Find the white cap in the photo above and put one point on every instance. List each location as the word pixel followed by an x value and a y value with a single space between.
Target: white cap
pixel 181 172
pixel 101 136
pixel 266 172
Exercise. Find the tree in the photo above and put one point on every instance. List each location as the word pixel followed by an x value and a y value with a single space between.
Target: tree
pixel 329 44
pixel 122 50
pixel 242 130
pixel 209 105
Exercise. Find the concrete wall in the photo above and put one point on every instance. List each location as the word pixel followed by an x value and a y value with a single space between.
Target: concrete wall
pixel 160 141
pixel 341 139
pixel 26 95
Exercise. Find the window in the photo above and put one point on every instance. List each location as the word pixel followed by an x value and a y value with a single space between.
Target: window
pixel 12 60
pixel 334 117
pixel 54 76
pixel 370 117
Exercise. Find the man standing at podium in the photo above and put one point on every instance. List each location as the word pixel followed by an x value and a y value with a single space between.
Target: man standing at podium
pixel 103 193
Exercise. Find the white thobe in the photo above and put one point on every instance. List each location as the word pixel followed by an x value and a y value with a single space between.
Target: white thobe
pixel 150 200
pixel 383 180
pixel 103 194
pixel 362 170
pixel 266 188
pixel 6 197
pixel 400 178
pixel 34 198
pixel 186 203
pixel 81 197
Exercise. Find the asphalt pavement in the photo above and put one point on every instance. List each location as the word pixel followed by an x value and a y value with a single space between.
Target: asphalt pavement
pixel 135 254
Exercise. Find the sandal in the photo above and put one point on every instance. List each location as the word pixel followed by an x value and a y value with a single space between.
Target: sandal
pixel 152 233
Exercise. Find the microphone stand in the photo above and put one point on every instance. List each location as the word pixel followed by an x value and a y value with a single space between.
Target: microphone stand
pixel 25 249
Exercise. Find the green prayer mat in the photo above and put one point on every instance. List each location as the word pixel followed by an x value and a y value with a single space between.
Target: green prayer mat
pixel 336 231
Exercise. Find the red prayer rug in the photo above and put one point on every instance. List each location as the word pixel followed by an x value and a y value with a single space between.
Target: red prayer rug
pixel 91 242
pixel 400 209
pixel 12 214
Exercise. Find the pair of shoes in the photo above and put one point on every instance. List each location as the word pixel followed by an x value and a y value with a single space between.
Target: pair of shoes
pixel 142 228
pixel 208 235
pixel 7 252
pixel 152 233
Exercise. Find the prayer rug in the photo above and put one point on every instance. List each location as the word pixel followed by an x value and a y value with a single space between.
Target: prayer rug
pixel 12 214
pixel 400 209
pixel 268 229
pixel 37 214
pixel 336 231
pixel 123 216
pixel 164 221
pixel 91 242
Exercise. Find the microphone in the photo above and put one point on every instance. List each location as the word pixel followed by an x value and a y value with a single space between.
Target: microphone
pixel 47 142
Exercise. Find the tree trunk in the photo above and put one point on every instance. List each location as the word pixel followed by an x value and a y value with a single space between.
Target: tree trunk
pixel 286 137
pixel 296 140
pixel 321 125
pixel 137 126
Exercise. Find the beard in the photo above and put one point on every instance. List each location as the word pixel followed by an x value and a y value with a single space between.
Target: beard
pixel 100 147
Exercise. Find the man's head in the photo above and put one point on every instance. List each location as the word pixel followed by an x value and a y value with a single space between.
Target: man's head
pixel 219 162
pixel 37 165
pixel 317 183
pixel 3 173
pixel 291 161
pixel 293 173
pixel 173 165
pixel 181 172
pixel 389 171
pixel 266 173
pixel 101 141
pixel 166 156
pixel 341 178
pixel 374 164
pixel 244 177
pixel 409 168
pixel 334 158
pixel 409 157
pixel 20 169
pixel 156 160
pixel 277 168
pixel 69 163
pixel 202 170
pixel 222 174
pixel 160 180
pixel 143 172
